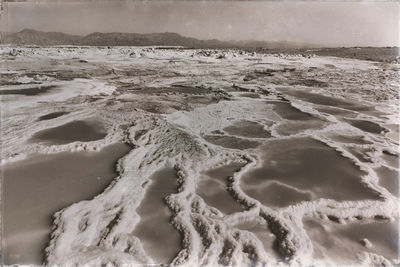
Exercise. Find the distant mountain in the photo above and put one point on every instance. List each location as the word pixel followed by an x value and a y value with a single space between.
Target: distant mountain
pixel 33 37
pixel 137 39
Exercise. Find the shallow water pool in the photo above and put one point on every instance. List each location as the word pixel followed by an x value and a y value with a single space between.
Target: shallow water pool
pixel 303 169
pixel 155 231
pixel 37 187
pixel 342 242
pixel 213 188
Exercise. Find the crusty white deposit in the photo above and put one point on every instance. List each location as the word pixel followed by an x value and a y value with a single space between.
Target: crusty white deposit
pixel 163 102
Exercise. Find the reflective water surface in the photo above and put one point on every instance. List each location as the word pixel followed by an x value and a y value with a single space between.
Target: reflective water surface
pixel 159 238
pixel 36 187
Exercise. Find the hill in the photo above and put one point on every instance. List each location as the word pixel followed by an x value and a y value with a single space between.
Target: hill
pixel 34 37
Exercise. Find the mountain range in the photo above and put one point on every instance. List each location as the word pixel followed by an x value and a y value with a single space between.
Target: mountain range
pixel 34 37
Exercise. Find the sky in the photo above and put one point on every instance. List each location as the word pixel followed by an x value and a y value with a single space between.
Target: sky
pixel 333 23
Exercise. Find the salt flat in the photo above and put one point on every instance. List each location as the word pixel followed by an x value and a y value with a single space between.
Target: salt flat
pixel 313 141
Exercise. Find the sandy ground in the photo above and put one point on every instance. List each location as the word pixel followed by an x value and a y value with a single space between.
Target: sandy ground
pixel 314 141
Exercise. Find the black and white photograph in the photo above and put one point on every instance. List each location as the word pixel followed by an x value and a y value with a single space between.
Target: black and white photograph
pixel 191 133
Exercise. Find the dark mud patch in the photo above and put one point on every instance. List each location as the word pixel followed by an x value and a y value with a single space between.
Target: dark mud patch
pixel 172 90
pixel 250 95
pixel 231 142
pixel 158 107
pixel 52 115
pixel 336 111
pixel 247 128
pixel 286 111
pixel 294 127
pixel 5 82
pixel 367 126
pixel 79 130
pixel 69 75
pixel 309 83
pixel 320 99
pixel 32 91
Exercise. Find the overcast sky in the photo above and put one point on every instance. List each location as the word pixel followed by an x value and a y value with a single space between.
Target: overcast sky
pixel 328 23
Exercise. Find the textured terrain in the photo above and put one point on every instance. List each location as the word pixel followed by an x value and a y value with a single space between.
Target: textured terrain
pixel 195 111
